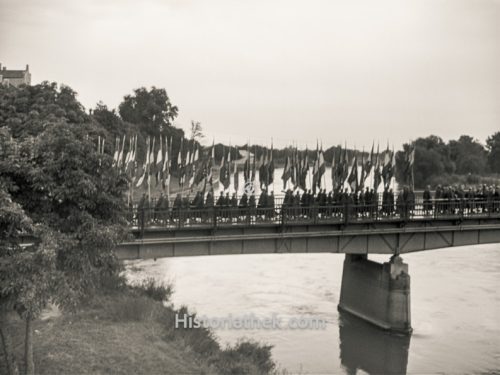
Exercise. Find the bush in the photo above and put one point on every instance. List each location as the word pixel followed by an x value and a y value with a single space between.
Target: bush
pixel 113 283
pixel 246 357
pixel 155 290
pixel 200 340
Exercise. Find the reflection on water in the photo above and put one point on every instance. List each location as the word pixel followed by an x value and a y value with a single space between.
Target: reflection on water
pixel 365 347
pixel 455 300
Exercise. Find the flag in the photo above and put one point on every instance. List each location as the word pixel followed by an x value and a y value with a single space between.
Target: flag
pixel 353 177
pixel 363 171
pixel 120 155
pixel 151 162
pixel 270 167
pixel 377 176
pixel 226 178
pixel 159 162
pixel 345 166
pixel 128 154
pixel 254 170
pixel 393 166
pixel 337 169
pixel 117 151
pixel 387 168
pixel 321 165
pixel 246 167
pixel 130 164
pixel 210 166
pixel 304 169
pixel 235 178
pixel 180 165
pixel 263 170
pixel 370 162
pixel 286 170
pixel 143 171
pixel 166 166
pixel 409 161
pixel 315 172
pixel 194 166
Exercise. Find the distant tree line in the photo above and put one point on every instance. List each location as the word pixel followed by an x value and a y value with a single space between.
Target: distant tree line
pixel 465 160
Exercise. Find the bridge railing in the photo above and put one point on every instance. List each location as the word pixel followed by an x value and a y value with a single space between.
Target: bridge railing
pixel 315 214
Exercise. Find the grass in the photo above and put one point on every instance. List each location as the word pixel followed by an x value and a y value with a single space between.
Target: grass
pixel 128 331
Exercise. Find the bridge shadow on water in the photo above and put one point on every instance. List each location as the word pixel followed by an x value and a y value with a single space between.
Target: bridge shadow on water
pixel 368 348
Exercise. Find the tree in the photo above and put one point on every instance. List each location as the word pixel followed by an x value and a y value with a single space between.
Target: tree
pixel 196 131
pixel 109 120
pixel 13 222
pixel 468 155
pixel 431 159
pixel 150 109
pixel 27 110
pixel 74 200
pixel 493 146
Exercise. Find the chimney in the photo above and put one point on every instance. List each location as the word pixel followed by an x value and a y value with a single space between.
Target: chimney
pixel 27 68
pixel 0 66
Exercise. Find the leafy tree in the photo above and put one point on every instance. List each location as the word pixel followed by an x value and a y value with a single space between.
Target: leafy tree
pixel 74 200
pixel 110 121
pixel 27 110
pixel 493 146
pixel 431 159
pixel 13 222
pixel 468 155
pixel 150 109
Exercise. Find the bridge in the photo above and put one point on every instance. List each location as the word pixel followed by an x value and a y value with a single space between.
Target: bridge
pixel 377 293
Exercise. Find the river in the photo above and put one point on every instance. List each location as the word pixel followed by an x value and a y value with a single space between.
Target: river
pixel 455 301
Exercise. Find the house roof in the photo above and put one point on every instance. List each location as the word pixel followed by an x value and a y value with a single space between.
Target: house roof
pixel 12 73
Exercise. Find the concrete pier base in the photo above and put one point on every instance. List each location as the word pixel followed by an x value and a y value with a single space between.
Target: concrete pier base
pixel 377 293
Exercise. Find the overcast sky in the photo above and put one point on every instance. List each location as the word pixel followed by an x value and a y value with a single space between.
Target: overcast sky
pixel 296 71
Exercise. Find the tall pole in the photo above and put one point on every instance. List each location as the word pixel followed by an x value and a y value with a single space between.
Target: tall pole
pixel 272 158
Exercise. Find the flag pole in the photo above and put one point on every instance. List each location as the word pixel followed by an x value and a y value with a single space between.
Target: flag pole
pixel 324 174
pixel 308 171
pixel 272 158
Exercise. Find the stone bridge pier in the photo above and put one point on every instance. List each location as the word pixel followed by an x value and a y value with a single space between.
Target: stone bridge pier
pixel 377 293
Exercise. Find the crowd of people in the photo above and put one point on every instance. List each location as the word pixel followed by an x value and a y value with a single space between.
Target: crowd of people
pixel 342 203
pixel 459 199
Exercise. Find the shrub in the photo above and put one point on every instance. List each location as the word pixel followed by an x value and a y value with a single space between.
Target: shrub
pixel 246 357
pixel 155 290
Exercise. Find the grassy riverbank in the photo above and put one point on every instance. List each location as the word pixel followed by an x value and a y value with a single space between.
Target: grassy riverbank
pixel 127 331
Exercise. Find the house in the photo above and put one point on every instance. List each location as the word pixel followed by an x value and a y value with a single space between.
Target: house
pixel 15 77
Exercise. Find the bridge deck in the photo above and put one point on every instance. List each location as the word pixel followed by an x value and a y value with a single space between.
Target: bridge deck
pixel 318 229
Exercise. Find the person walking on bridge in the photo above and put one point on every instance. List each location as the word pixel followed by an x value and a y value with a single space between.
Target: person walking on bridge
pixel 270 205
pixel 427 200
pixel 157 211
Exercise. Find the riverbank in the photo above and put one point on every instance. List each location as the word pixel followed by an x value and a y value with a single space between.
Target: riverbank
pixel 128 331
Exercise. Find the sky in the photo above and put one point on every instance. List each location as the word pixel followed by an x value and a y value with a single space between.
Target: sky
pixel 290 71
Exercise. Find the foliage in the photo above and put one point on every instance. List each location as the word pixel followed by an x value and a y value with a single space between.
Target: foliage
pixel 150 109
pixel 439 163
pixel 196 131
pixel 73 198
pixel 493 146
pixel 123 332
pixel 244 356
pixel 27 111
pixel 157 291
pixel 468 155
